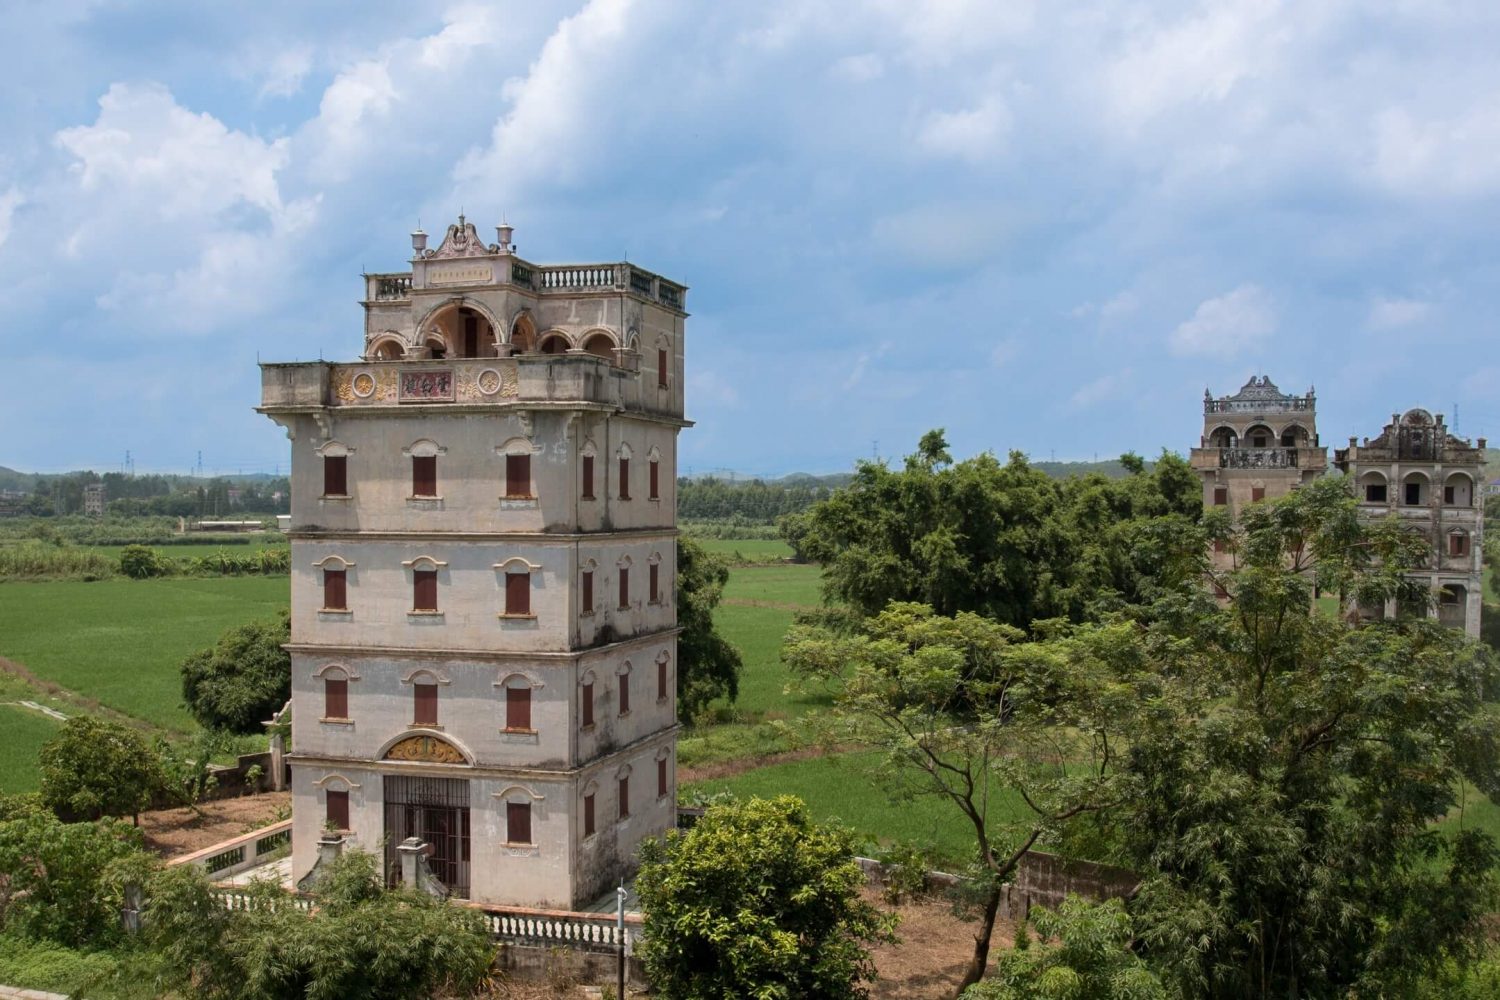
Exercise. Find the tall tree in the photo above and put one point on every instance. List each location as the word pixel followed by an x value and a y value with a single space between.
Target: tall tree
pixel 243 679
pixel 94 768
pixel 708 667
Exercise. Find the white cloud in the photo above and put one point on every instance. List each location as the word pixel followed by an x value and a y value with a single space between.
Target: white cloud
pixel 1450 156
pixel 353 101
pixel 287 69
pixel 1004 353
pixel 1393 314
pixel 467 27
pixel 1101 389
pixel 976 134
pixel 186 164
pixel 859 69
pixel 1224 326
pixel 9 202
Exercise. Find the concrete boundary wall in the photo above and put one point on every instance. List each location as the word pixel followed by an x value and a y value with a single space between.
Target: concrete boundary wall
pixel 1042 880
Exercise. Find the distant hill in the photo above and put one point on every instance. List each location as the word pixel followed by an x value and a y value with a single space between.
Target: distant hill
pixel 10 479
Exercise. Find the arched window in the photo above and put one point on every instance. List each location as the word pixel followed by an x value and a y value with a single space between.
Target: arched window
pixel 663 677
pixel 653 473
pixel 518 483
pixel 1414 490
pixel 1373 487
pixel 624 455
pixel 518 688
pixel 424 584
pixel 600 345
pixel 586 700
pixel 554 343
pixel 336 679
pixel 424 456
pixel 522 335
pixel 586 587
pixel 1458 544
pixel 622 570
pixel 424 697
pixel 1458 491
pixel 335 571
pixel 653 579
pixel 518 582
pixel 623 679
pixel 586 473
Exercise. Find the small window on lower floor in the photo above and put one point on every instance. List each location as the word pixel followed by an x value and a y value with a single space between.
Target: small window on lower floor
pixel 335 698
pixel 518 823
pixel 1221 496
pixel 588 815
pixel 661 777
pixel 1458 544
pixel 338 809
pixel 1257 494
pixel 518 709
pixel 1375 493
pixel 625 798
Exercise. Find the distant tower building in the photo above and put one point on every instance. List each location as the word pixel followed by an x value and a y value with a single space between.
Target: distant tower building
pixel 1429 478
pixel 93 500
pixel 483 532
pixel 1257 444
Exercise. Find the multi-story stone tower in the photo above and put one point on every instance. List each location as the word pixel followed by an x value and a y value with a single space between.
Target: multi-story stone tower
pixel 1429 478
pixel 1257 444
pixel 484 571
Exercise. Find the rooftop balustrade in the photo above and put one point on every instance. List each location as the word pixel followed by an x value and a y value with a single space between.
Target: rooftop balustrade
pixel 549 280
pixel 1280 404
pixel 1259 458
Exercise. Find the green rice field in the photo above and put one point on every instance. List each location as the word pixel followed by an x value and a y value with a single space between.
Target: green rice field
pixel 120 641
pixel 25 731
pixel 747 549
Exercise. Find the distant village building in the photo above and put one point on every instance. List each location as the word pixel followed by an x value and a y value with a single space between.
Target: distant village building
pixel 232 494
pixel 1429 478
pixel 93 500
pixel 484 627
pixel 1258 444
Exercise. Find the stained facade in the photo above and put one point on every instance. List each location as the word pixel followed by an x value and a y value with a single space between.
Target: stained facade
pixel 1429 478
pixel 484 571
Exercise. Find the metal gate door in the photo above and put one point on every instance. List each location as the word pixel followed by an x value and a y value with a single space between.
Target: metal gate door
pixel 437 811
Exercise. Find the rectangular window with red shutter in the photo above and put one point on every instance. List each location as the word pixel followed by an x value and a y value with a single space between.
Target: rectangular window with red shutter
pixel 652 577
pixel 661 367
pixel 335 698
pixel 518 709
pixel 424 704
pixel 518 594
pixel 586 586
pixel 586 704
pixel 424 590
pixel 653 469
pixel 625 694
pixel 624 479
pixel 1257 494
pixel 661 777
pixel 424 475
pixel 335 476
pixel 1221 496
pixel 518 822
pixel 335 594
pixel 661 680
pixel 624 798
pixel 518 476
pixel 337 813
pixel 1458 545
pixel 624 587
pixel 588 815
pixel 588 477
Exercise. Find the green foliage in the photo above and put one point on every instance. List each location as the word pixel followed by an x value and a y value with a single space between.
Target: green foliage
pixel 1289 775
pixel 41 560
pixel 708 667
pixel 139 562
pixel 757 901
pixel 25 732
pixel 906 866
pixel 1083 954
pixel 95 768
pixel 243 679
pixel 1006 541
pixel 364 940
pixel 752 501
pixel 52 876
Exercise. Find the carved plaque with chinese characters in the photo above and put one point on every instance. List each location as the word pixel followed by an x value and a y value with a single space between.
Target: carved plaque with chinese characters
pixel 427 749
pixel 429 386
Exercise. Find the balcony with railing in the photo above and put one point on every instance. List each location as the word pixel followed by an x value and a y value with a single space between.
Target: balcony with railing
pixel 560 279
pixel 1279 404
pixel 527 379
pixel 1305 459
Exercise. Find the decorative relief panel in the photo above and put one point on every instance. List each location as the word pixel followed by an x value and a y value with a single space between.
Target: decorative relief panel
pixel 426 749
pixel 426 386
pixel 495 379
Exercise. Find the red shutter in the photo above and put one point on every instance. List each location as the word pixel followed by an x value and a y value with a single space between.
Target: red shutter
pixel 1221 495
pixel 654 493
pixel 518 475
pixel 335 698
pixel 624 479
pixel 425 697
pixel 518 822
pixel 588 815
pixel 335 594
pixel 661 367
pixel 588 590
pixel 624 587
pixel 335 476
pixel 586 704
pixel 661 777
pixel 518 708
pixel 588 477
pixel 624 798
pixel 424 589
pixel 1257 493
pixel 661 680
pixel 338 809
pixel 625 694
pixel 652 594
pixel 424 475
pixel 518 593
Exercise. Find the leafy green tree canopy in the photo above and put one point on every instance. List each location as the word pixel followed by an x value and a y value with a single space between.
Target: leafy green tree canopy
pixel 757 900
pixel 243 679
pixel 1006 541
pixel 708 667
pixel 95 768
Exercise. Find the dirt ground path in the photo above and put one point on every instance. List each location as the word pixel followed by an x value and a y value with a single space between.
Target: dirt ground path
pixel 170 832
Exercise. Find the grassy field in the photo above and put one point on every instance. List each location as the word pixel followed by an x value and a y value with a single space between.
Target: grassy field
pixel 200 548
pixel 25 732
pixel 747 549
pixel 120 641
pixel 846 787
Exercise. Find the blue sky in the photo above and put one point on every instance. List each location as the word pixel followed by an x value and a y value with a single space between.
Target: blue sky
pixel 1041 226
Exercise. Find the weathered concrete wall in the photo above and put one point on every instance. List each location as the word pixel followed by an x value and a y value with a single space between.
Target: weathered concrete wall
pixel 564 966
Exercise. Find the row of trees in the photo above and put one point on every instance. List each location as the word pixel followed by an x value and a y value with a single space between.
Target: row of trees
pixel 153 494
pixel 755 500
pixel 1044 658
